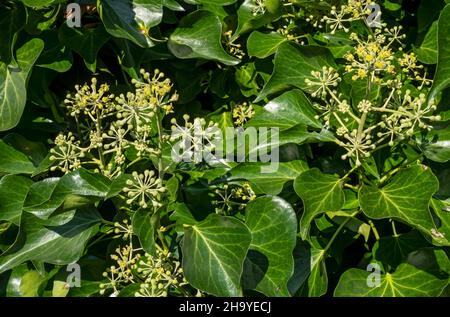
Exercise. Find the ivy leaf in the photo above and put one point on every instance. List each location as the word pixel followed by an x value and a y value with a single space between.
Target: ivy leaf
pixel 13 191
pixel 11 22
pixel 394 249
pixel 131 19
pixel 73 190
pixel 296 135
pixel 294 64
pixel 248 21
pixel 442 77
pixel 143 227
pixel 198 35
pixel 213 254
pixel 39 3
pixel 262 45
pixel 85 42
pixel 406 281
pixel 427 53
pixel 13 161
pixel 24 282
pixel 437 145
pixel 406 197
pixel 59 240
pixel 13 83
pixel 320 193
pixel 286 111
pixel 269 263
pixel 55 56
pixel 310 276
pixel 268 183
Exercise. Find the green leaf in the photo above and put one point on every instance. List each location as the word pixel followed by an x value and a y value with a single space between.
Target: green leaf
pixel 13 83
pixel 73 190
pixel 13 191
pixel 59 240
pixel 286 111
pixel 60 289
pixel 128 18
pixel 269 263
pixel 11 22
pixel 143 227
pixel 86 42
pixel 55 56
pixel 39 3
pixel 406 281
pixel 13 161
pixel 248 21
pixel 436 146
pixel 405 197
pixel 269 183
pixel 198 35
pixel 213 254
pixel 320 193
pixel 24 282
pixel 262 45
pixel 294 64
pixel 310 276
pixel 442 77
pixel 393 250
pixel 296 135
pixel 35 151
pixel 427 53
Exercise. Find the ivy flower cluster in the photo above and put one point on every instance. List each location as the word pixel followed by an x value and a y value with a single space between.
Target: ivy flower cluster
pixel 144 189
pixel 157 275
pixel 242 113
pixel 109 126
pixel 232 196
pixel 194 140
pixel 339 18
pixel 363 126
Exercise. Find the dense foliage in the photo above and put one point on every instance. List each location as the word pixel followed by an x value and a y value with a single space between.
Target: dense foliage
pixel 90 116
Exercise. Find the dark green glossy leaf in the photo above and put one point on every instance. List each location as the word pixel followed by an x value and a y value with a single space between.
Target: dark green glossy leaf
pixel 262 45
pixel 86 42
pixel 268 182
pixel 13 191
pixel 13 161
pixel 320 193
pixel 406 281
pixel 78 188
pixel 310 276
pixel 286 111
pixel 405 197
pixel 13 83
pixel 294 64
pixel 143 227
pixel 269 263
pixel 184 41
pixel 427 53
pixel 213 254
pixel 131 19
pixel 442 76
pixel 60 240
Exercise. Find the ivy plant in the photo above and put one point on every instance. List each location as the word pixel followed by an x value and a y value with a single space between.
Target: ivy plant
pixel 97 97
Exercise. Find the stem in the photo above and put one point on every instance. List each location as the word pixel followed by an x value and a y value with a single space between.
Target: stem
pixel 336 234
pixel 374 229
pixel 160 161
pixel 393 228
pixel 98 125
